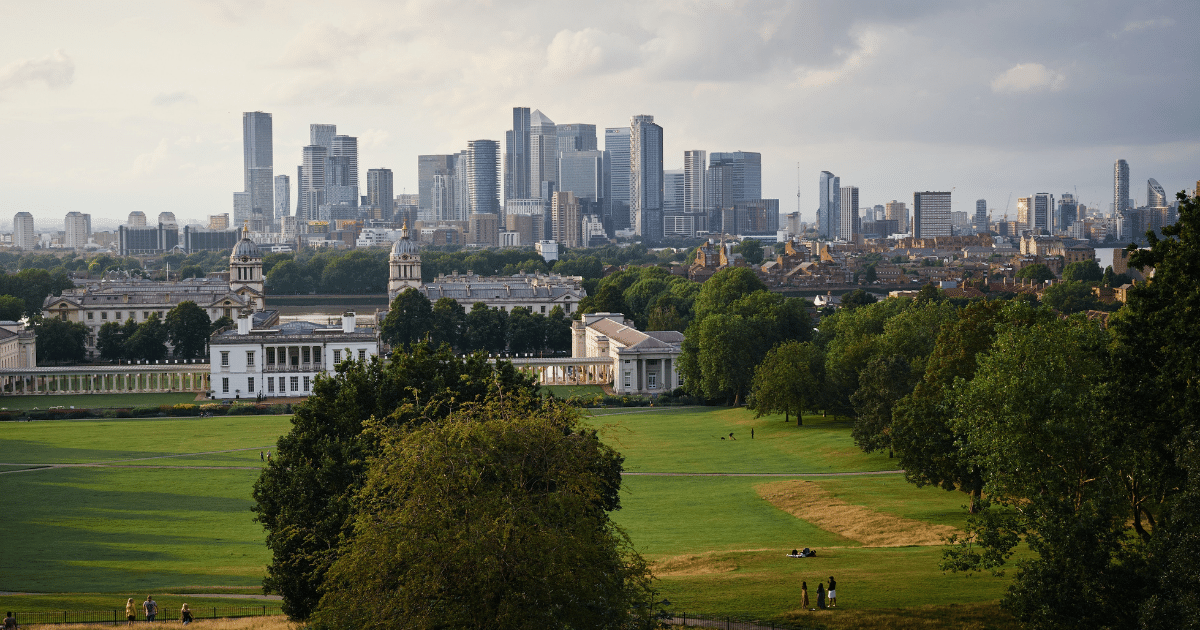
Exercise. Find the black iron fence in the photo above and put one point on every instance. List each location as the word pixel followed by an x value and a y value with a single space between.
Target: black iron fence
pixel 113 616
pixel 727 623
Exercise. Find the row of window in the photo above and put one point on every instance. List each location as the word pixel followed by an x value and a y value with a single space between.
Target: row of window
pixel 117 315
pixel 283 382
pixel 304 354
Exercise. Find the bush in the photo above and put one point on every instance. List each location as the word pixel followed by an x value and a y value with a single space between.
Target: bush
pixel 215 409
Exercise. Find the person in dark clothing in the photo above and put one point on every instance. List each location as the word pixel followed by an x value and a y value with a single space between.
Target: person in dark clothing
pixel 832 592
pixel 821 596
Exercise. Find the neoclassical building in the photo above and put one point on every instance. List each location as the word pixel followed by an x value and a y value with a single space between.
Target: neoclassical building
pixel 642 362
pixel 537 292
pixel 119 299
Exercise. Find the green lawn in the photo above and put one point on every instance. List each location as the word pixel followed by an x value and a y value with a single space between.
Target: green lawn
pixel 566 391
pixel 95 401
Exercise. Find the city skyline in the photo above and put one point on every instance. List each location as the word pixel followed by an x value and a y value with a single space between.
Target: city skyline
pixel 1011 110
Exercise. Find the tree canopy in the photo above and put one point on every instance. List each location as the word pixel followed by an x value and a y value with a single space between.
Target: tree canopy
pixel 788 380
pixel 188 330
pixel 1037 272
pixel 59 340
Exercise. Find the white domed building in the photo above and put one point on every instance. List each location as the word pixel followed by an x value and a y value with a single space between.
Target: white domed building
pixel 404 266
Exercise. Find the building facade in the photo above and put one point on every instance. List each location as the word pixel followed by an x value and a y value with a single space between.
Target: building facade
pixel 643 362
pixel 829 210
pixel 24 235
pixel 646 177
pixel 616 178
pixel 850 220
pixel 931 214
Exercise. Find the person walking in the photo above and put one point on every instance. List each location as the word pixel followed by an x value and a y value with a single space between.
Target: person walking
pixel 185 615
pixel 10 622
pixel 130 612
pixel 804 595
pixel 821 596
pixel 151 608
pixel 832 592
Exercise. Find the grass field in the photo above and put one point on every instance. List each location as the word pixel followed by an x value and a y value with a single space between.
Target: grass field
pixel 95 401
pixel 567 391
pixel 100 510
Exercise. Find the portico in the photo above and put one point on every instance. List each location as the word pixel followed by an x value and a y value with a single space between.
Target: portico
pixel 120 379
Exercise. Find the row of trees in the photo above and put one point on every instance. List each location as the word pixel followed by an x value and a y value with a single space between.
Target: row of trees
pixel 412 319
pixel 30 287
pixel 187 328
pixel 446 492
pixel 650 296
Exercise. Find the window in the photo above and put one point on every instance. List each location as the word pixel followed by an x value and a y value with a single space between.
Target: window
pixel 304 349
pixel 225 385
pixel 270 356
pixel 224 358
pixel 652 380
pixel 305 383
pixel 627 378
pixel 250 359
pixel 282 384
pixel 362 355
pixel 543 309
pixel 104 315
pixel 295 383
pixel 250 385
pixel 337 357
pixel 145 314
pixel 317 355
pixel 118 317
pixel 90 315
pixel 270 385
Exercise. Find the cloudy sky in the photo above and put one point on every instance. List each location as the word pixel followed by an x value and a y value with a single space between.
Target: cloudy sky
pixel 108 107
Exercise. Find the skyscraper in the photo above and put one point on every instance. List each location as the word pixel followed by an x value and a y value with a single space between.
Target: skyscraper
pixel 746 174
pixel 258 169
pixel 1156 197
pixel 312 176
pixel 566 219
pixel 695 171
pixel 931 214
pixel 582 172
pixel 77 228
pixel 429 167
pixel 516 156
pixel 829 212
pixel 674 191
pixel 482 164
pixel 981 219
pixel 283 197
pixel 1120 187
pixel 616 178
pixel 1043 209
pixel 543 153
pixel 850 221
pixel 322 135
pixel 1068 209
pixel 576 137
pixel 379 190
pixel 897 211
pixel 646 177
pixel 347 147
pixel 24 236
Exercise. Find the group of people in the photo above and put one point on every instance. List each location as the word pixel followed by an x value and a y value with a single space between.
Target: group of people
pixel 150 609
pixel 821 595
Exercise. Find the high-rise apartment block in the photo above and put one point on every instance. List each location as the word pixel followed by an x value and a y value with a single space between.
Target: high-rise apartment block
pixel 745 172
pixel 566 219
pixel 646 177
pixel 379 191
pixel 258 170
pixel 616 178
pixel 283 197
pixel 897 211
pixel 851 223
pixel 435 188
pixel 312 182
pixel 695 171
pixel 1043 210
pixel 483 160
pixel 981 216
pixel 829 210
pixel 1121 197
pixel 673 191
pixel 77 229
pixel 516 156
pixel 931 214
pixel 1156 197
pixel 24 235
pixel 137 218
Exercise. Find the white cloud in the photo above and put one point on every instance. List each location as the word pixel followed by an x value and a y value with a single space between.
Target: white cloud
pixel 148 162
pixel 589 51
pixel 868 45
pixel 1142 25
pixel 56 71
pixel 1028 77
pixel 372 138
pixel 173 98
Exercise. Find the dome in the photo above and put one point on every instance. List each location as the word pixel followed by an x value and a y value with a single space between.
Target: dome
pixel 405 246
pixel 246 247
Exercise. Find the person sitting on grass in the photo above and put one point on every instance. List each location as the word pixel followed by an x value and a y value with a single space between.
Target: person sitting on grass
pixel 185 615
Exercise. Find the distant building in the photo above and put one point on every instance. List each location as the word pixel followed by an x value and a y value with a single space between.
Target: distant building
pixel 543 155
pixel 1043 212
pixel 258 170
pixel 77 230
pixel 1121 195
pixel 24 234
pixel 897 211
pixel 931 214
pixel 646 177
pixel 981 216
pixel 643 362
pixel 18 346
pixel 379 191
pixel 616 179
pixel 137 218
pixel 516 156
pixel 435 190
pixel 482 164
pixel 1156 197
pixel 829 212
pixel 850 220
pixel 566 219
pixel 283 197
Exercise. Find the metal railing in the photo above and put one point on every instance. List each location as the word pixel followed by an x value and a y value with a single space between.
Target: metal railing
pixel 114 616
pixel 682 619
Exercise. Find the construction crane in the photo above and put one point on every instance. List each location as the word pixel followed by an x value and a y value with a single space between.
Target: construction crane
pixel 1007 204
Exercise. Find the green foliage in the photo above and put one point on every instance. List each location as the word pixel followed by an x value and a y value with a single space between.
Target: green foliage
pixel 448 320
pixel 11 308
pixel 1083 271
pixel 1037 272
pixel 305 496
pixel 750 249
pixel 643 294
pixel 849 339
pixel 1068 297
pixel 788 380
pixel 857 298
pixel 33 285
pixel 188 330
pixel 148 341
pixel 501 522
pixel 110 341
pixel 487 328
pixel 59 340
pixel 409 319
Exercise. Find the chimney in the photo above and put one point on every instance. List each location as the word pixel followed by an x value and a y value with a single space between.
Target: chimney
pixel 348 322
pixel 243 322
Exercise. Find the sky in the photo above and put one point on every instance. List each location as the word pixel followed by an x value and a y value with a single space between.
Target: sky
pixel 118 106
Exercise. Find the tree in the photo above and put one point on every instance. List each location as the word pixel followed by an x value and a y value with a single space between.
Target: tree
pixel 726 286
pixel 1037 272
pixel 1069 297
pixel 788 380
pixel 188 329
pixel 288 277
pixel 448 320
pixel 59 340
pixel 190 271
pixel 486 328
pixel 870 275
pixel 526 331
pixel 110 341
pixel 1083 271
pixel 221 322
pixel 11 308
pixel 304 498
pixel 725 367
pixel 33 285
pixel 857 298
pixel 558 331
pixel 409 319
pixel 149 341
pixel 493 517
pixel 751 250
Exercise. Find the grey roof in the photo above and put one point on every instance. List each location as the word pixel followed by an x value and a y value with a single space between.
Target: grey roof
pixel 405 246
pixel 246 247
pixel 487 289
pixel 130 293
pixel 635 339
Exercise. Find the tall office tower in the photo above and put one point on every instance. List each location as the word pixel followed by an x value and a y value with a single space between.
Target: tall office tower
pixel 576 137
pixel 1024 213
pixel 341 188
pixel 1156 197
pixel 851 223
pixel 566 219
pixel 259 160
pixel 616 178
pixel 1043 209
pixel 897 211
pixel 76 230
pixel 429 167
pixel 1068 208
pixel 440 197
pixel 718 193
pixel 673 191
pixel 379 190
pixel 347 147
pixel 829 212
pixel 322 135
pixel 299 187
pixel 283 197
pixel 312 177
pixel 1121 195
pixel 931 214
pixel 543 153
pixel 582 172
pixel 516 156
pixel 460 187
pixel 746 176
pixel 218 221
pixel 137 218
pixel 646 177
pixel 483 160
pixel 24 236
pixel 168 220
pixel 695 172
pixel 981 219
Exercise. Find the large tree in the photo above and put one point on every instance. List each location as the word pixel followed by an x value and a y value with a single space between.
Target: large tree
pixel 494 517
pixel 188 329
pixel 409 319
pixel 148 341
pixel 788 380
pixel 11 308
pixel 305 496
pixel 446 325
pixel 59 340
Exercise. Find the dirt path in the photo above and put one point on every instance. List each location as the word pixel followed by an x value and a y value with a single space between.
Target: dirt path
pixel 115 463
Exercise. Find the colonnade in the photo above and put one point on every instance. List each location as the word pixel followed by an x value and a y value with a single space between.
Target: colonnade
pixel 581 371
pixel 106 380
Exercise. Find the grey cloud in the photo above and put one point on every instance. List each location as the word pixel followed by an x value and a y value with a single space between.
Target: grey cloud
pixel 56 71
pixel 173 98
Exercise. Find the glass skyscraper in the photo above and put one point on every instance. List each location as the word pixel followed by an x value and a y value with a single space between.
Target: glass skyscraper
pixel 646 177
pixel 616 178
pixel 516 156
pixel 829 212
pixel 258 172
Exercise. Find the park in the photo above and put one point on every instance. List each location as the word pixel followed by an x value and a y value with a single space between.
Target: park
pixel 105 509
